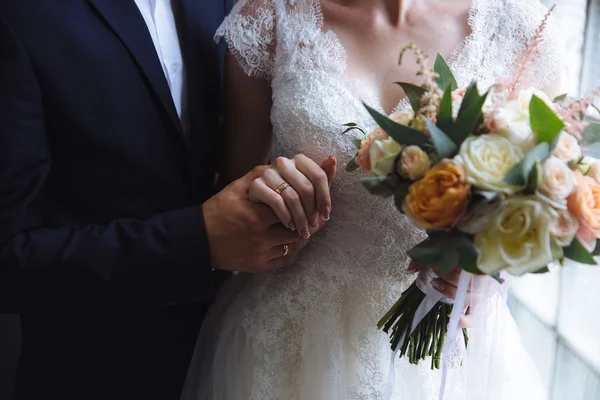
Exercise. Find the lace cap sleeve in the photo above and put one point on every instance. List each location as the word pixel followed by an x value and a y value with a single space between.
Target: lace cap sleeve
pixel 249 31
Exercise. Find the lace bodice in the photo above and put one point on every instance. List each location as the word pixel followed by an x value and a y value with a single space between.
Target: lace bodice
pixel 357 264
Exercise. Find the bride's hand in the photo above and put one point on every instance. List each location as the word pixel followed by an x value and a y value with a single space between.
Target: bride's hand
pixel 447 284
pixel 306 196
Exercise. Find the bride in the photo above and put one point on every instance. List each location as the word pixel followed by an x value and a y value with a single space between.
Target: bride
pixel 303 69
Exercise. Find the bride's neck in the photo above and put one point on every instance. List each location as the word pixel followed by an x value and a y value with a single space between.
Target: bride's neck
pixel 397 10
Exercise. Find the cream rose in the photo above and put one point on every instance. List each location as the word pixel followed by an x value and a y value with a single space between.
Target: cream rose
pixel 413 163
pixel 558 180
pixel 487 159
pixel 564 227
pixel 513 119
pixel 567 148
pixel 382 154
pixel 517 239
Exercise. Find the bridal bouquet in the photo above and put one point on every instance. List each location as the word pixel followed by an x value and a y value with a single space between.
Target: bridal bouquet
pixel 504 181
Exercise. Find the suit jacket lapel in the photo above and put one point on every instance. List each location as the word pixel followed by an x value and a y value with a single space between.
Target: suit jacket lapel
pixel 125 19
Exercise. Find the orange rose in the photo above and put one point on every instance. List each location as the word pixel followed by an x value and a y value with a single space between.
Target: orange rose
pixel 584 203
pixel 440 199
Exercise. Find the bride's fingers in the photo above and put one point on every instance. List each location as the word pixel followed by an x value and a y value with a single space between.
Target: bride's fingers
pixel 448 289
pixel 320 182
pixel 291 198
pixel 452 277
pixel 293 173
pixel 259 192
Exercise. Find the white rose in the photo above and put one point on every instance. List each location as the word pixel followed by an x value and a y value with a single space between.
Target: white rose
pixel 513 119
pixel 517 239
pixel 487 159
pixel 383 155
pixel 413 163
pixel 564 227
pixel 558 180
pixel 567 148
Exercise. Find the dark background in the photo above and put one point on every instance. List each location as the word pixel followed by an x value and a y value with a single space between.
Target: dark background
pixel 10 341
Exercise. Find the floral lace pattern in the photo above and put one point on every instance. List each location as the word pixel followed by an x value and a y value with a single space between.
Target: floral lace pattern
pixel 309 332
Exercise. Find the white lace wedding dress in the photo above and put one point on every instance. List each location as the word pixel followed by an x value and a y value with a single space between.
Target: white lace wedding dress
pixel 309 332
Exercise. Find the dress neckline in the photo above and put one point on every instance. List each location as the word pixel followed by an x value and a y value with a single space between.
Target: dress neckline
pixel 369 92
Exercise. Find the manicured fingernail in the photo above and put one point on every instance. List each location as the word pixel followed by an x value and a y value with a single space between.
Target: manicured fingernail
pixel 314 223
pixel 438 285
pixel 411 268
pixel 292 226
pixel 333 160
pixel 305 232
pixel 327 213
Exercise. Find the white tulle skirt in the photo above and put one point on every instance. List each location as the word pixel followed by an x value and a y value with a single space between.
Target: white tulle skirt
pixel 265 340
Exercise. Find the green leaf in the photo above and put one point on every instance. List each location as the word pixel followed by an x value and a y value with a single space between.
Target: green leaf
pixel 544 121
pixel 400 194
pixel 561 98
pixel 353 128
pixel 402 134
pixel 520 173
pixel 444 146
pixel 384 186
pixel 357 143
pixel 414 94
pixel 446 77
pixel 350 124
pixel 435 253
pixel 445 119
pixel 578 253
pixel 469 117
pixel 352 165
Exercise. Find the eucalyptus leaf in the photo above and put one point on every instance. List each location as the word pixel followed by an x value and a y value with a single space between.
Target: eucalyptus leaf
pixel 444 146
pixel 578 253
pixel 591 134
pixel 414 94
pixel 561 98
pixel 520 173
pixel 352 165
pixel 468 253
pixel 446 77
pixel 445 118
pixel 402 134
pixel 350 124
pixel 400 194
pixel 544 121
pixel 357 143
pixel 434 253
pixel 535 177
pixel 384 186
pixel 471 95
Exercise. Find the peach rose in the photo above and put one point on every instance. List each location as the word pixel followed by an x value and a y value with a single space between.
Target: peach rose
pixel 558 180
pixel 584 204
pixel 440 199
pixel 564 227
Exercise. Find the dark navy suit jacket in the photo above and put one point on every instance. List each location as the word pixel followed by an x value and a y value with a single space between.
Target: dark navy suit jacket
pixel 103 249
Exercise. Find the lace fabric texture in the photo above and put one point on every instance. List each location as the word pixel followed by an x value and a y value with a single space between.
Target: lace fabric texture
pixel 309 332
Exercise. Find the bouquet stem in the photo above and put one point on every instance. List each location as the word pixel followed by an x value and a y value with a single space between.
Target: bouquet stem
pixel 428 337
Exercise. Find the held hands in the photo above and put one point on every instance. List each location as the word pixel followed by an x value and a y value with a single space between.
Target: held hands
pixel 297 190
pixel 246 236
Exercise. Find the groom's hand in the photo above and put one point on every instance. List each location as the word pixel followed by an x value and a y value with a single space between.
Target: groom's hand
pixel 245 236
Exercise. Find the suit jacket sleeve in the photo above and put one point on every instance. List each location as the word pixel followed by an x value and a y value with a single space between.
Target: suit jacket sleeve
pixel 164 259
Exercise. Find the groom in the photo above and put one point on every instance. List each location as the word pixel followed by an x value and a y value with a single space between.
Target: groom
pixel 109 223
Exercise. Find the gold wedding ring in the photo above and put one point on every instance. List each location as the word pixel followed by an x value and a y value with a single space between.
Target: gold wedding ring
pixel 286 250
pixel 282 187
